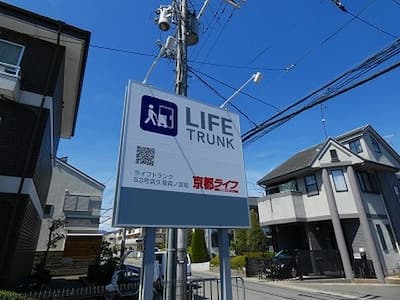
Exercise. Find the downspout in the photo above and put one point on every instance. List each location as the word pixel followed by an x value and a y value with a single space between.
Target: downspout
pixel 28 158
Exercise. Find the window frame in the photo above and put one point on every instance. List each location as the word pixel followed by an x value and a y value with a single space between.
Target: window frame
pixel 344 180
pixel 334 155
pixel 391 237
pixel 368 182
pixel 50 214
pixel 313 192
pixel 77 207
pixel 358 143
pixel 375 145
pixel 381 237
pixel 21 53
pixel 396 191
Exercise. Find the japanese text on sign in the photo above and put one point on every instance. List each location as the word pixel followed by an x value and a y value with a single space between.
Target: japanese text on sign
pixel 215 184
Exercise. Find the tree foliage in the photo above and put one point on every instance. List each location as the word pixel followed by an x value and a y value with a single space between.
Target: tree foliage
pixel 250 240
pixel 198 247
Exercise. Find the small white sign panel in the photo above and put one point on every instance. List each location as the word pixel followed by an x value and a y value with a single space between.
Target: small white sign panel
pixel 180 164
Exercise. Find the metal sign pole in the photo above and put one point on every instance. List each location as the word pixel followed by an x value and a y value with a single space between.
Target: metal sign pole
pixel 224 265
pixel 147 276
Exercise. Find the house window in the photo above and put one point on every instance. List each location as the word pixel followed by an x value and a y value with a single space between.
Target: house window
pixel 76 203
pixel 355 146
pixel 334 156
pixel 311 185
pixel 375 145
pixel 391 236
pixel 368 182
pixel 10 56
pixel 381 237
pixel 339 180
pixel 396 192
pixel 48 211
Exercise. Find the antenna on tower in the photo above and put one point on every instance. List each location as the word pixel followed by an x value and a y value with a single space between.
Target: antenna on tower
pixel 323 120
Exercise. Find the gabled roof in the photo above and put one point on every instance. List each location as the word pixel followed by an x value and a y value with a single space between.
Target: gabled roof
pixel 300 160
pixel 304 159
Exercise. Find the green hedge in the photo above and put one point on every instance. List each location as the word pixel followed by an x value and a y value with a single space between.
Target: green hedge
pixel 8 295
pixel 239 262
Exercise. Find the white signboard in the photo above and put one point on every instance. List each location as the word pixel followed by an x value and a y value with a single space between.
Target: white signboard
pixel 180 165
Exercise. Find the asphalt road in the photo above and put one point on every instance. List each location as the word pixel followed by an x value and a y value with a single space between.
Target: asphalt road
pixel 320 291
pixel 293 290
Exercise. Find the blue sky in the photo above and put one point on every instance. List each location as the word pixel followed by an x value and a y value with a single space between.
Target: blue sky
pixel 259 36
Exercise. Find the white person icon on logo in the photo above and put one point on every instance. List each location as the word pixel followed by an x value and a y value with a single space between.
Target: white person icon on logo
pixel 151 116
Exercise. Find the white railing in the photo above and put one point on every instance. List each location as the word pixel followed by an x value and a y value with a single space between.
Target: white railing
pixel 10 70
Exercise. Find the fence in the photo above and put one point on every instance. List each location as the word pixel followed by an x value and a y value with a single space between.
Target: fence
pixel 128 290
pixel 208 288
pixel 319 262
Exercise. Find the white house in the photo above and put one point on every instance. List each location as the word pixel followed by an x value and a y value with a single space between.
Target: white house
pixel 342 195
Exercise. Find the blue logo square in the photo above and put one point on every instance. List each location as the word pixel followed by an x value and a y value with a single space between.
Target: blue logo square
pixel 159 116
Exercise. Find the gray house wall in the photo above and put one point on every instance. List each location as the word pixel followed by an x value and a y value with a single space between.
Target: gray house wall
pixel 69 181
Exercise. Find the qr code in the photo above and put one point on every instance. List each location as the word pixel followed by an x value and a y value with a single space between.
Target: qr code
pixel 145 156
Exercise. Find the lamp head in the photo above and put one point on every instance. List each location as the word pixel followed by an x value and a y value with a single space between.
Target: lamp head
pixel 257 77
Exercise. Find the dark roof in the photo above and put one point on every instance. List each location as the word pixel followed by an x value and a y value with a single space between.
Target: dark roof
pixel 297 162
pixel 52 24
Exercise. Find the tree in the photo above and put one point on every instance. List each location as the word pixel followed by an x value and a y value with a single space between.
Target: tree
pixel 240 241
pixel 198 247
pixel 256 238
pixel 250 240
pixel 53 237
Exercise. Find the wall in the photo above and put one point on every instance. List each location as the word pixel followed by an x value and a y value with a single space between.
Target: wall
pixel 385 157
pixel 387 183
pixel 344 200
pixel 390 257
pixel 65 178
pixel 21 248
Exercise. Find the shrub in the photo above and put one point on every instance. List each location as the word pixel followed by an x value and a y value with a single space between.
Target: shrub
pixel 238 262
pixel 8 295
pixel 198 248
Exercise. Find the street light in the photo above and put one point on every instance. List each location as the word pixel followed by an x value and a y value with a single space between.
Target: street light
pixel 256 78
pixel 167 48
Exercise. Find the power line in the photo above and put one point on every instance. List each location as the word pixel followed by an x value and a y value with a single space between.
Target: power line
pixel 122 50
pixel 373 25
pixel 220 33
pixel 334 88
pixel 331 36
pixel 222 97
pixel 274 124
pixel 235 89
pixel 341 6
pixel 397 2
pixel 237 66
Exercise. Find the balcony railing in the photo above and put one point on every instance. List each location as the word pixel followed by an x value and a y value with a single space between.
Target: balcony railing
pixel 10 70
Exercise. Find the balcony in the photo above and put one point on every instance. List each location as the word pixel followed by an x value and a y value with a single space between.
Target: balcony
pixel 10 81
pixel 281 208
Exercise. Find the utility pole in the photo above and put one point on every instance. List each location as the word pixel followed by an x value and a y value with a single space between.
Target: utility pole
pixel 181 89
pixel 177 238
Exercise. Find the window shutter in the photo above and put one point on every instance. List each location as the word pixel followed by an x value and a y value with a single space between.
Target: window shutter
pixel 70 202
pixel 83 203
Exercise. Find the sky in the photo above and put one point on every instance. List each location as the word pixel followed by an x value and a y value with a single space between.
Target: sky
pixel 263 35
